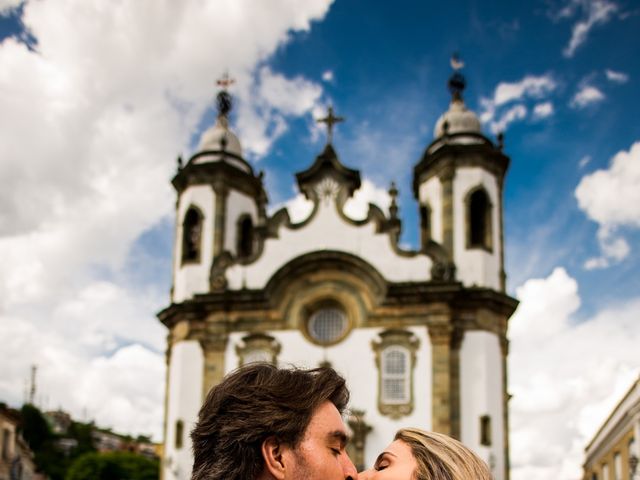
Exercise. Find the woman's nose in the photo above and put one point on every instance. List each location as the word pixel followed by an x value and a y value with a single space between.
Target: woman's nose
pixel 364 475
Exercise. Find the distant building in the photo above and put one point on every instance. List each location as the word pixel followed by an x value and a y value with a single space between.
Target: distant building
pixel 614 451
pixel 59 421
pixel 16 458
pixel 420 334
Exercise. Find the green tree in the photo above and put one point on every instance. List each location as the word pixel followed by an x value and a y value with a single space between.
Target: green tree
pixel 35 428
pixel 113 466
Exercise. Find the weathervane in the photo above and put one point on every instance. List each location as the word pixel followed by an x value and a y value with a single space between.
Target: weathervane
pixel 225 103
pixel 457 81
pixel 330 120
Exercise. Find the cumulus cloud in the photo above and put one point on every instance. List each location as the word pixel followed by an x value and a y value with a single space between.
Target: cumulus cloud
pixel 357 206
pixel 543 110
pixel 594 13
pixel 517 112
pixel 89 136
pixel 7 5
pixel 299 208
pixel 565 376
pixel 271 99
pixel 529 88
pixel 616 77
pixel 587 95
pixel 328 76
pixel 611 198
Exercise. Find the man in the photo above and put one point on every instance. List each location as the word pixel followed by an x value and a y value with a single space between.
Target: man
pixel 265 423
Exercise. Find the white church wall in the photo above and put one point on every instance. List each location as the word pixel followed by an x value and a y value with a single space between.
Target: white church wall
pixel 194 277
pixel 481 393
pixel 431 192
pixel 328 231
pixel 475 266
pixel 237 205
pixel 361 375
pixel 184 401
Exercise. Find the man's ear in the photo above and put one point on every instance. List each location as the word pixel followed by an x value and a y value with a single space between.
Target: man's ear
pixel 273 455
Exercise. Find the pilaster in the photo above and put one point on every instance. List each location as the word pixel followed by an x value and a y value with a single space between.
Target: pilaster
pixel 446 340
pixel 446 179
pixel 213 348
pixel 219 222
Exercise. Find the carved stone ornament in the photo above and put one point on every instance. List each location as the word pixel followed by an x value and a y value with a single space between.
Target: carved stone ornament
pixel 258 347
pixel 327 189
pixel 218 280
pixel 401 342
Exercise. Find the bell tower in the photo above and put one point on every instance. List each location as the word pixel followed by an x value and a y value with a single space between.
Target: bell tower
pixel 220 207
pixel 459 187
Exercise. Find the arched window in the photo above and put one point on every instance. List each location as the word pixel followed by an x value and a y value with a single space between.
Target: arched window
pixel 245 236
pixel 479 229
pixel 425 223
pixel 191 236
pixel 395 359
pixel 395 378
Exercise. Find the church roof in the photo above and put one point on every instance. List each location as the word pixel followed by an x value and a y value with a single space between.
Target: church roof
pixel 328 161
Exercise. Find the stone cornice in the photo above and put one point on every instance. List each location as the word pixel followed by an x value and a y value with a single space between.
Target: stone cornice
pixel 454 155
pixel 219 173
pixel 410 303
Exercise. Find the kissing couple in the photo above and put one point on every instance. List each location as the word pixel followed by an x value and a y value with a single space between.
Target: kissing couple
pixel 266 423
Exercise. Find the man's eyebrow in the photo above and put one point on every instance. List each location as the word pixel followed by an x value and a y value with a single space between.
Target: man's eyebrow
pixel 340 436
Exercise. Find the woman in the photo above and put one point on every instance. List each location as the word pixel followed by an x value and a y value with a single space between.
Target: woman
pixel 418 455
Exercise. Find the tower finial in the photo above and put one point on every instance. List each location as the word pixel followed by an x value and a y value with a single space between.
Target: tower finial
pixel 330 120
pixel 225 102
pixel 457 81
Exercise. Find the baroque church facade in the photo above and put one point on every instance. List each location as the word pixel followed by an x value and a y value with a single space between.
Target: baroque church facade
pixel 419 335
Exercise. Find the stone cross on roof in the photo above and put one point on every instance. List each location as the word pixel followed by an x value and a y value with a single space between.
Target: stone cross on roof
pixel 330 120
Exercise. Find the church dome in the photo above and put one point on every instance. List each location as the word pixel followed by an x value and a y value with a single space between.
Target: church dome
pixel 459 119
pixel 219 137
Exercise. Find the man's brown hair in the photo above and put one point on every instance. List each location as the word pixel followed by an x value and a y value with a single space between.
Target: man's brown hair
pixel 254 403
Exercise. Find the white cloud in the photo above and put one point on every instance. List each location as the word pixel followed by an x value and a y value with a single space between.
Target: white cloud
pixel 271 98
pixel 517 112
pixel 357 207
pixel 299 208
pixel 565 376
pixel 7 5
pixel 328 76
pixel 612 199
pixel 616 77
pixel 611 196
pixel 584 161
pixel 586 96
pixel 531 87
pixel 543 110
pixel 89 175
pixel 596 12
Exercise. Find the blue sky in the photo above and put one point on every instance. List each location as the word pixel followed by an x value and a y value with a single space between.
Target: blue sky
pixel 105 97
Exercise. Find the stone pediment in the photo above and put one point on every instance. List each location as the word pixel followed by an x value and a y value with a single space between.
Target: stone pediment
pixel 328 177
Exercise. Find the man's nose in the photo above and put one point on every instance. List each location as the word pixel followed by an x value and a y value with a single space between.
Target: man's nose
pixel 349 469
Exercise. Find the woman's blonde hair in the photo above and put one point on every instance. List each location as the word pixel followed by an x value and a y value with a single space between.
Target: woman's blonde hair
pixel 440 457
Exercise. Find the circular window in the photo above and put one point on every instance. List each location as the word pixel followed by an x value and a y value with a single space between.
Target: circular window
pixel 327 325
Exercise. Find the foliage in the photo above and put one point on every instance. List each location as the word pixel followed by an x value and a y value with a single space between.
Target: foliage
pixel 35 428
pixel 113 465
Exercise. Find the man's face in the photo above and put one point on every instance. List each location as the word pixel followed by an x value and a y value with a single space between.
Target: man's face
pixel 321 454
